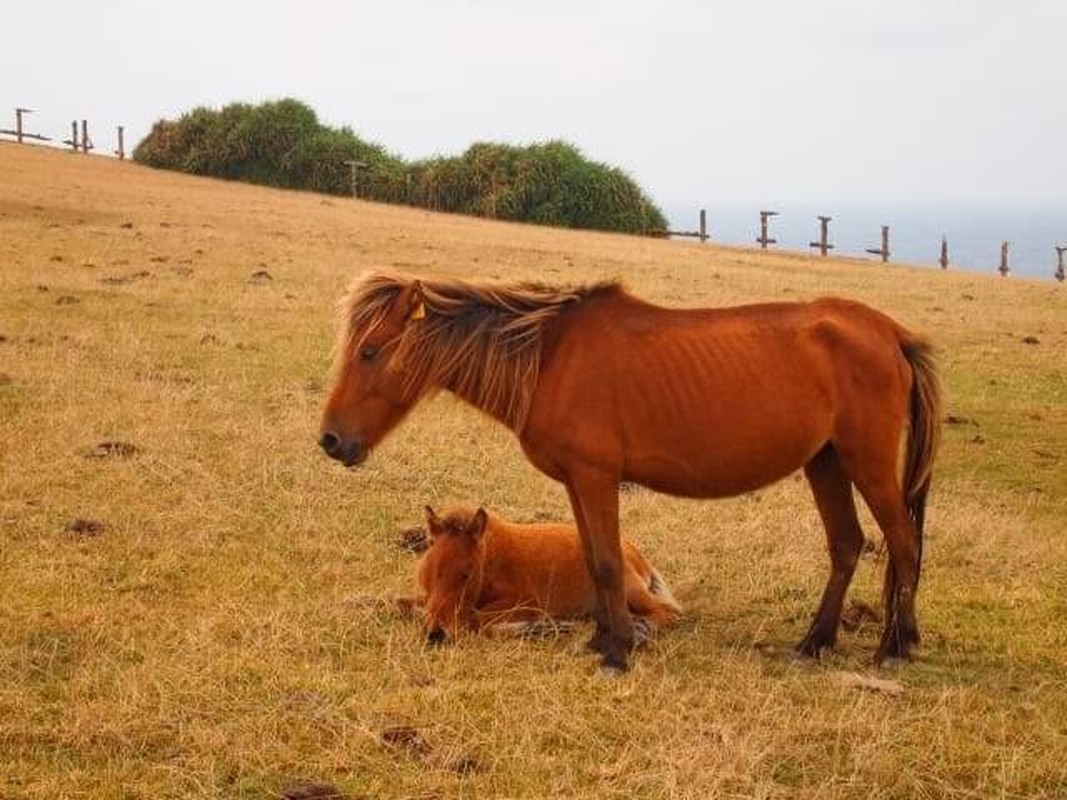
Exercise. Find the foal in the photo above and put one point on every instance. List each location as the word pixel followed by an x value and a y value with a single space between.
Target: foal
pixel 483 573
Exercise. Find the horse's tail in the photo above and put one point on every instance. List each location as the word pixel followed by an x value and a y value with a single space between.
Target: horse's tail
pixel 659 587
pixel 924 431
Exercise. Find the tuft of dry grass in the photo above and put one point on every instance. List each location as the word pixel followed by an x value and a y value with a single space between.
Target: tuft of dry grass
pixel 211 638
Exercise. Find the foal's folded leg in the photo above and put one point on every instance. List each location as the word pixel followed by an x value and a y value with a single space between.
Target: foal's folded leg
pixel 650 613
pixel 510 621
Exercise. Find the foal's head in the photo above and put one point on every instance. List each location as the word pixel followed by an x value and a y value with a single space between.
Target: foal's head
pixel 451 571
pixel 370 394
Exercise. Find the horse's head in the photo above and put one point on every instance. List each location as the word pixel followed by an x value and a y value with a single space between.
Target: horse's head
pixel 370 394
pixel 451 571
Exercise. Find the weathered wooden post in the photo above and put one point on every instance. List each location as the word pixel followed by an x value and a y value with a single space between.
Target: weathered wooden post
pixel 73 140
pixel 1060 250
pixel 19 131
pixel 121 152
pixel 353 166
pixel 943 261
pixel 1004 269
pixel 18 122
pixel 763 239
pixel 824 243
pixel 884 250
pixel 87 145
pixel 703 225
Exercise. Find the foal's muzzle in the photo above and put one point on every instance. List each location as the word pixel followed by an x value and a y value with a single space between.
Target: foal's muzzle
pixel 349 453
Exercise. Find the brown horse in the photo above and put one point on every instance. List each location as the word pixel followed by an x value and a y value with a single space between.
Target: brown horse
pixel 483 573
pixel 602 387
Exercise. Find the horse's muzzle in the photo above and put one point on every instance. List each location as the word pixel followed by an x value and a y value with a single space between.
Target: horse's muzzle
pixel 350 452
pixel 437 637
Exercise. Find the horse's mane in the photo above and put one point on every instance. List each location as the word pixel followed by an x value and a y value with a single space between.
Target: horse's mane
pixel 479 340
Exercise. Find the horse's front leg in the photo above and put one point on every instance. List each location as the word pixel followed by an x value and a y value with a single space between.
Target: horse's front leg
pixel 594 499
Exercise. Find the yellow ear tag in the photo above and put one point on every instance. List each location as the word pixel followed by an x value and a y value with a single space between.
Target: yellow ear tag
pixel 419 312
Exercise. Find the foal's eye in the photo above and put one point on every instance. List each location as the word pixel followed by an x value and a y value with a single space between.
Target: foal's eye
pixel 368 353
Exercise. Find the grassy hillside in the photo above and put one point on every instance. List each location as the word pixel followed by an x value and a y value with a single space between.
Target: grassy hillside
pixel 209 628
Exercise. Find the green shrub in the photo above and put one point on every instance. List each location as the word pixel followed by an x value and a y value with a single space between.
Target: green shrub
pixel 282 143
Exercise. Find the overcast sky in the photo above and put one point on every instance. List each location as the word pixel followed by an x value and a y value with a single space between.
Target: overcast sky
pixel 838 102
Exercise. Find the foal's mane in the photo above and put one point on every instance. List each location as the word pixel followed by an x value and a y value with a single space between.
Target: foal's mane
pixel 479 340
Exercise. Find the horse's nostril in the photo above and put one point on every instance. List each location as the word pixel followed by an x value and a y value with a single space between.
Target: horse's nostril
pixel 437 636
pixel 330 442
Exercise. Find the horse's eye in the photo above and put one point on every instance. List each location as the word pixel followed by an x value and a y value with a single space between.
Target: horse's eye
pixel 368 353
pixel 466 576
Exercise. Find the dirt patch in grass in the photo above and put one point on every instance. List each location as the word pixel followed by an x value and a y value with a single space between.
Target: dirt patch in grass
pixel 312 790
pixel 83 526
pixel 112 449
pixel 413 539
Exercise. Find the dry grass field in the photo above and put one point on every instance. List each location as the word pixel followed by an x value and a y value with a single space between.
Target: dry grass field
pixel 187 585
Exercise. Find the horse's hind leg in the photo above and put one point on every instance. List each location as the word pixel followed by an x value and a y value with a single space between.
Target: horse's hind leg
pixel 833 495
pixel 886 501
pixel 876 479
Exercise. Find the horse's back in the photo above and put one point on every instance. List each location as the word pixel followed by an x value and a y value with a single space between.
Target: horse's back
pixel 712 402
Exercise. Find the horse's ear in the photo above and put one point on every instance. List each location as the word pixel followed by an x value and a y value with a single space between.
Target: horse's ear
pixel 410 302
pixel 477 524
pixel 433 522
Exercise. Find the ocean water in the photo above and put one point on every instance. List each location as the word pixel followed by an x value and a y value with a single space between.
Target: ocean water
pixel 974 235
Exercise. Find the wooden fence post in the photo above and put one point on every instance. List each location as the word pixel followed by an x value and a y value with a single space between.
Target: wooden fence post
pixel 18 122
pixel 73 142
pixel 87 143
pixel 823 244
pixel 121 152
pixel 1060 250
pixel 763 239
pixel 703 225
pixel 1004 269
pixel 19 131
pixel 353 166
pixel 884 250
pixel 943 261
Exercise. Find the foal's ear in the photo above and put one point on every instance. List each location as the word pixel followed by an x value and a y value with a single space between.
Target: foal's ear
pixel 477 524
pixel 410 303
pixel 433 522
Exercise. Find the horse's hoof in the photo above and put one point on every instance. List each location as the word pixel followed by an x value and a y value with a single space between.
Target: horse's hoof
pixel 613 667
pixel 812 647
pixel 891 654
pixel 897 646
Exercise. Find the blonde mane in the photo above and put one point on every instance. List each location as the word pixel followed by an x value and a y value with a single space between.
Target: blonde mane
pixel 481 341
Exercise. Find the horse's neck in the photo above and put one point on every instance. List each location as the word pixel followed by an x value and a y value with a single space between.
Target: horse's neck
pixel 449 386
